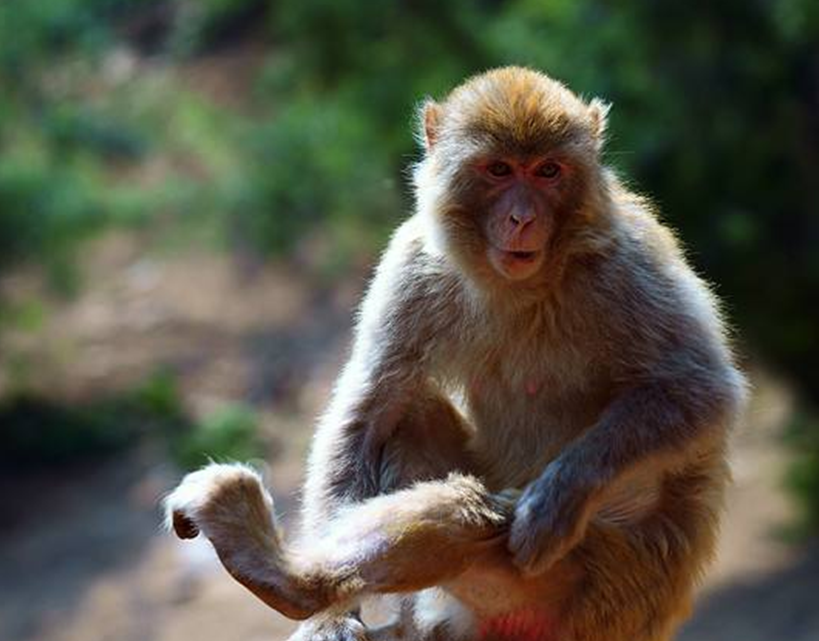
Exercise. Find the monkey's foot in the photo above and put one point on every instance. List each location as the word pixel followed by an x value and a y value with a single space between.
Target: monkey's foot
pixel 345 628
pixel 231 507
pixel 219 497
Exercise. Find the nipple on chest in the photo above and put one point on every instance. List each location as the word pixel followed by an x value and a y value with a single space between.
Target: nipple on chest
pixel 476 386
pixel 532 387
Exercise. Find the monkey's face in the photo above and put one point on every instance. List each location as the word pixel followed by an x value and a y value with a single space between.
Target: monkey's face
pixel 504 211
pixel 513 158
pixel 520 201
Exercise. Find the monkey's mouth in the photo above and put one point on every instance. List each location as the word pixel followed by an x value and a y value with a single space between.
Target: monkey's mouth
pixel 519 256
pixel 523 256
pixel 516 264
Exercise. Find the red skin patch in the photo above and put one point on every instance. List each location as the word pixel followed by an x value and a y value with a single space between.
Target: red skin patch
pixel 519 626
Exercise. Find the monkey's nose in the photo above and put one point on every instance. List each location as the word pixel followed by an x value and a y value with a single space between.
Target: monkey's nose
pixel 520 218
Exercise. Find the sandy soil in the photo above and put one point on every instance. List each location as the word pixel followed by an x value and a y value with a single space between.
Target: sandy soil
pixel 87 560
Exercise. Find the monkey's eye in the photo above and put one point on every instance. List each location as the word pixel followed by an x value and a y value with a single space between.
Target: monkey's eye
pixel 499 169
pixel 550 170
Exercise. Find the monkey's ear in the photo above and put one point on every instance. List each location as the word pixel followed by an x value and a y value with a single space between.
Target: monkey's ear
pixel 430 123
pixel 599 114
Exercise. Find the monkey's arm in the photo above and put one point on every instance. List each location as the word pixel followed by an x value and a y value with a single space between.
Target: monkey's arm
pixel 385 372
pixel 673 412
pixel 386 369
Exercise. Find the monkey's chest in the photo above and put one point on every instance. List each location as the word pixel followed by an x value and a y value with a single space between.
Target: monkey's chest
pixel 525 399
pixel 524 418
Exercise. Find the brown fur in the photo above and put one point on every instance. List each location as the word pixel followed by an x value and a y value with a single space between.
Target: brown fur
pixel 601 388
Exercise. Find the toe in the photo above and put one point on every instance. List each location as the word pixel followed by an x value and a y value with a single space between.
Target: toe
pixel 184 527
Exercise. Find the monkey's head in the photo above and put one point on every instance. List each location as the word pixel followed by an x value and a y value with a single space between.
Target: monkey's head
pixel 511 172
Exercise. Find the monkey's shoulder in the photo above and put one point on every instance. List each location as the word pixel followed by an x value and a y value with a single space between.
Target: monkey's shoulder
pixel 414 293
pixel 650 309
pixel 644 269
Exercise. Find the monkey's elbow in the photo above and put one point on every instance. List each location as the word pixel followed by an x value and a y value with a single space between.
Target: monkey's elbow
pixel 736 391
pixel 723 400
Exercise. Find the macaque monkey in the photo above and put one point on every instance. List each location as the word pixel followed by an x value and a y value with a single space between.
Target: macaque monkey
pixel 528 441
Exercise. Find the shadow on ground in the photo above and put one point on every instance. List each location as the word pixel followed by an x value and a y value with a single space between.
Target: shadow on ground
pixel 81 524
pixel 782 606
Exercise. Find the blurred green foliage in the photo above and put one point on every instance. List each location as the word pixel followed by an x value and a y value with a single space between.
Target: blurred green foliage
pixel 716 115
pixel 229 433
pixel 40 433
pixel 802 478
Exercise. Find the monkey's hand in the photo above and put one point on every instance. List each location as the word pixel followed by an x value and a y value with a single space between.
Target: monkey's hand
pixel 550 519
pixel 331 628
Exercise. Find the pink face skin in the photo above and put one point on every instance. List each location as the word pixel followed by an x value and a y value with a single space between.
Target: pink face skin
pixel 521 217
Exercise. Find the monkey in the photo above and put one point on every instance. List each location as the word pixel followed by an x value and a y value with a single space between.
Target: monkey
pixel 529 439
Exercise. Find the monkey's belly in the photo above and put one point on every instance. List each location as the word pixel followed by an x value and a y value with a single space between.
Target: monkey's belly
pixel 525 625
pixel 508 607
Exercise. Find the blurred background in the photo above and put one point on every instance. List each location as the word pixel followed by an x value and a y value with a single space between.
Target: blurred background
pixel 192 195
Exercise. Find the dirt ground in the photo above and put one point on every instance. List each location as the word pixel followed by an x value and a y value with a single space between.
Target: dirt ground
pixel 86 559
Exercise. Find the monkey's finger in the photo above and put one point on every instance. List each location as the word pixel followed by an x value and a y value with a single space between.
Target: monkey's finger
pixel 510 496
pixel 532 544
pixel 536 547
pixel 533 564
pixel 528 555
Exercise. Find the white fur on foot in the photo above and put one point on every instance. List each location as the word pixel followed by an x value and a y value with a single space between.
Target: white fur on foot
pixel 199 491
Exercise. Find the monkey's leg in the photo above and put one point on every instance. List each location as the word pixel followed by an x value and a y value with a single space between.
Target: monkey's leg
pixel 401 542
pixel 640 578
